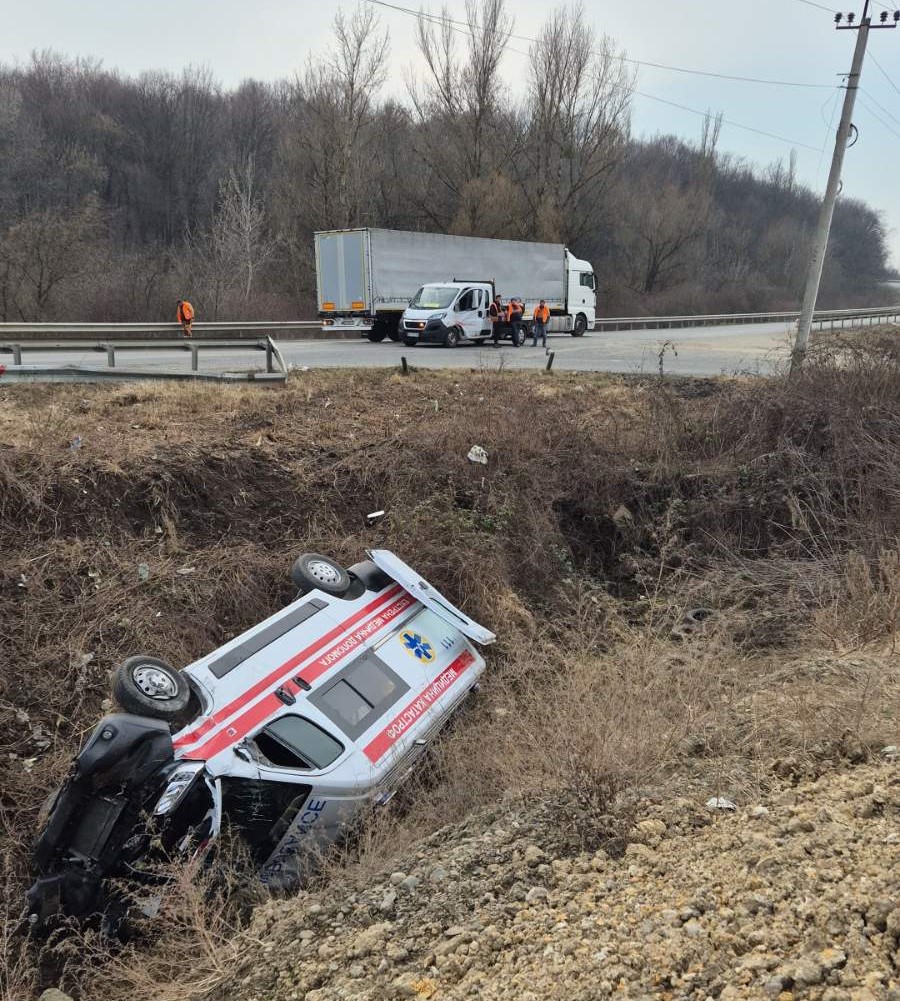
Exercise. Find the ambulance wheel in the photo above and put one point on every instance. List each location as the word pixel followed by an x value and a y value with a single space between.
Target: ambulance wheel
pixel 148 686
pixel 451 338
pixel 312 572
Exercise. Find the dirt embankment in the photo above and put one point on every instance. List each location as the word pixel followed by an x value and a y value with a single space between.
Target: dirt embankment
pixel 793 896
pixel 164 520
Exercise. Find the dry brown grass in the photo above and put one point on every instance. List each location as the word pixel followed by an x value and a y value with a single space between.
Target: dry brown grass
pixel 608 508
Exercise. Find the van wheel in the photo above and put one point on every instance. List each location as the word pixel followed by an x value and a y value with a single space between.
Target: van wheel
pixel 580 325
pixel 312 572
pixel 451 338
pixel 151 687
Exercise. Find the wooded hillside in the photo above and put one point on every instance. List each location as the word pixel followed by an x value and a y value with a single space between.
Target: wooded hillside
pixel 119 195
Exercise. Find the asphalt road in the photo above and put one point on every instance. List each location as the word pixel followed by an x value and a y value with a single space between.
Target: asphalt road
pixel 688 351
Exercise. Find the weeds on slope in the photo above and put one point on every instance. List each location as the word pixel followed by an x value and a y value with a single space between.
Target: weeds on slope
pixel 607 509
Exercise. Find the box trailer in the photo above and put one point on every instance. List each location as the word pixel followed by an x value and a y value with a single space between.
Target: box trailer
pixel 367 277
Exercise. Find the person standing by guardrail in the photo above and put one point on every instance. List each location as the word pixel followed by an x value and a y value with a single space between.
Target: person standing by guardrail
pixel 185 314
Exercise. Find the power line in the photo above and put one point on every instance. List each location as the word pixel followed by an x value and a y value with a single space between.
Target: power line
pixel 879 105
pixel 727 121
pixel 834 105
pixel 809 3
pixel 878 117
pixel 884 73
pixel 439 18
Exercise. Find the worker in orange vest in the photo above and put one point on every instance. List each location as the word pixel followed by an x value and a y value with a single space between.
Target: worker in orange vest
pixel 185 315
pixel 514 312
pixel 497 315
pixel 539 328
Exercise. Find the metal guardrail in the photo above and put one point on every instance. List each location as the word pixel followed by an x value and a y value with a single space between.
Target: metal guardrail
pixel 274 327
pixel 273 355
pixel 821 317
pixel 114 329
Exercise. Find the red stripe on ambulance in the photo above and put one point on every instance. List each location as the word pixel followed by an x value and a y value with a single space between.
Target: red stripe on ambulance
pixel 268 706
pixel 347 645
pixel 211 722
pixel 379 745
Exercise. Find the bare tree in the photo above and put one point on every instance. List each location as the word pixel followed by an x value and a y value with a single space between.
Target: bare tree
pixel 665 224
pixel 331 129
pixel 44 256
pixel 578 118
pixel 459 109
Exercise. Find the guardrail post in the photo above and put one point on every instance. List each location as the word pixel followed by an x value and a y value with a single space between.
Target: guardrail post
pixel 195 358
pixel 110 356
pixel 269 356
pixel 17 354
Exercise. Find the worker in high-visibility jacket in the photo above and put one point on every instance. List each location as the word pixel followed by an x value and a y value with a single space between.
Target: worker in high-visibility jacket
pixel 497 315
pixel 514 311
pixel 185 314
pixel 540 319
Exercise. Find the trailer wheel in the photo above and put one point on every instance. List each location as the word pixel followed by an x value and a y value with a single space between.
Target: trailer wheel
pixel 394 333
pixel 377 334
pixel 451 338
pixel 580 325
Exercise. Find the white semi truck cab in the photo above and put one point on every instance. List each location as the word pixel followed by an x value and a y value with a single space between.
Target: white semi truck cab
pixel 368 281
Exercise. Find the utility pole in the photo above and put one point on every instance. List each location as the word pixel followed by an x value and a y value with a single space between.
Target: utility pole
pixel 820 243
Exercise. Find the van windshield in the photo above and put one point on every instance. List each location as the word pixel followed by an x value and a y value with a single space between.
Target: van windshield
pixel 433 297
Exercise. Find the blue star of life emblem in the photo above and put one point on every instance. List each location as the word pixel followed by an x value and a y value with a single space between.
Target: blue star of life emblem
pixel 418 646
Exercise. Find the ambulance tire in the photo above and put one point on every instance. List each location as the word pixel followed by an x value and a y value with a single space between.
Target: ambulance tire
pixel 312 572
pixel 148 686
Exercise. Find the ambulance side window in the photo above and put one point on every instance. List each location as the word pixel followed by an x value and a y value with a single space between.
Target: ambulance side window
pixel 360 693
pixel 296 742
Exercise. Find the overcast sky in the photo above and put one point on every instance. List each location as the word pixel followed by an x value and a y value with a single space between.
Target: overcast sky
pixel 786 40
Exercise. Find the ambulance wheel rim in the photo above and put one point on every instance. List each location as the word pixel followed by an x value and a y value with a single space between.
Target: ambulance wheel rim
pixel 154 683
pixel 324 572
